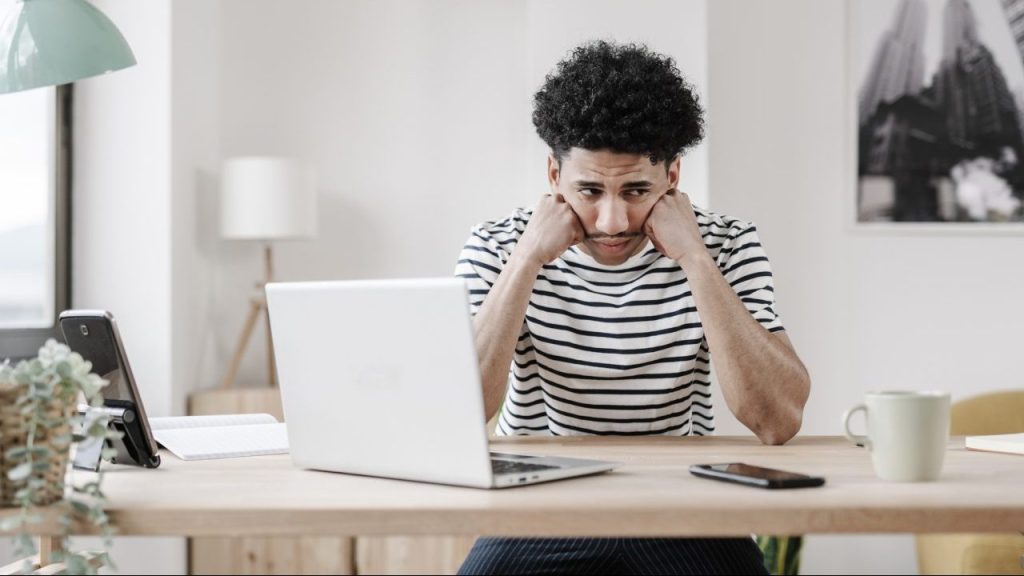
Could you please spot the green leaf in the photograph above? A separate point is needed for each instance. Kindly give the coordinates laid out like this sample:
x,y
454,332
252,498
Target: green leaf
x,y
10,524
61,441
26,544
90,486
64,369
16,453
76,564
80,507
97,430
20,472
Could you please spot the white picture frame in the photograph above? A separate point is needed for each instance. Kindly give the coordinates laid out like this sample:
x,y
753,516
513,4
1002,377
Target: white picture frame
x,y
866,24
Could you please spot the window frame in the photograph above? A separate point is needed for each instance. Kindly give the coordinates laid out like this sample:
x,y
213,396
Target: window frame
x,y
21,343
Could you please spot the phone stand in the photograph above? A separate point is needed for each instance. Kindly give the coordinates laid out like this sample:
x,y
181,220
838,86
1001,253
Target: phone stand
x,y
89,452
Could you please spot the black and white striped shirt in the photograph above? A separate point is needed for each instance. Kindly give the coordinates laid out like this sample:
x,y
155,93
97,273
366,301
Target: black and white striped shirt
x,y
615,349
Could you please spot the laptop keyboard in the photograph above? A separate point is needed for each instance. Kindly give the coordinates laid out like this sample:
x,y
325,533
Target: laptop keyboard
x,y
513,467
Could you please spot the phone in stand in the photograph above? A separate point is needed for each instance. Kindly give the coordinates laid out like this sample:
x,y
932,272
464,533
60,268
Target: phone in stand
x,y
757,476
94,335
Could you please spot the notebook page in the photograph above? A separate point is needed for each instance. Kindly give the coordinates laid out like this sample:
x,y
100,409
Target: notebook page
x,y
181,422
1006,443
224,441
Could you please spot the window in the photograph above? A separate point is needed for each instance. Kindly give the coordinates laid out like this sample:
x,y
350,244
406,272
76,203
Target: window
x,y
34,219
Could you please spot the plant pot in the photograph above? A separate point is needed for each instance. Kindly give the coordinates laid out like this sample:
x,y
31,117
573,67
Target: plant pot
x,y
14,433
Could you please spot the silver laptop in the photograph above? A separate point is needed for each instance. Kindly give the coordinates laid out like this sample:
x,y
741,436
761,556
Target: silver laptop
x,y
380,377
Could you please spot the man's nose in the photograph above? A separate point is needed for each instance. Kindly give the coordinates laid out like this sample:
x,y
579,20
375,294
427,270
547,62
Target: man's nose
x,y
612,217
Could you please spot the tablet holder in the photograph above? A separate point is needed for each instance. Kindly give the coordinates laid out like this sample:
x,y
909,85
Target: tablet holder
x,y
123,419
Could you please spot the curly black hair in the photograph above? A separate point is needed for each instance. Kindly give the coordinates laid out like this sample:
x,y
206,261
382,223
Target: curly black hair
x,y
624,98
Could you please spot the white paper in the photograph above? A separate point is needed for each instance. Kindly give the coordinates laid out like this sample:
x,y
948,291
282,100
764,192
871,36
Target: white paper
x,y
179,422
1008,443
221,436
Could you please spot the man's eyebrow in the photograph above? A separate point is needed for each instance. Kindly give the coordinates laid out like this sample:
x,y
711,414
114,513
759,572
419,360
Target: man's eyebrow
x,y
638,184
632,184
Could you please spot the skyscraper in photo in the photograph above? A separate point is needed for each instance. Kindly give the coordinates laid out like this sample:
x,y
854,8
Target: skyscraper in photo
x,y
959,28
1014,10
981,113
898,66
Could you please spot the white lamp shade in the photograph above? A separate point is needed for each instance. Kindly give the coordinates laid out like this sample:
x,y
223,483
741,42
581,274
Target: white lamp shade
x,y
266,198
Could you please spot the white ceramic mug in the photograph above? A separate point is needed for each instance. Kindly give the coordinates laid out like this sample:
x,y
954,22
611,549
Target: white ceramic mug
x,y
907,433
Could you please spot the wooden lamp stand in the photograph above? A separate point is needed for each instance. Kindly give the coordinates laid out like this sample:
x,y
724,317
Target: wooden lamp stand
x,y
257,308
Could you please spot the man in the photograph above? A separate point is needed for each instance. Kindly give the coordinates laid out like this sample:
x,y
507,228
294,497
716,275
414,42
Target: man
x,y
596,312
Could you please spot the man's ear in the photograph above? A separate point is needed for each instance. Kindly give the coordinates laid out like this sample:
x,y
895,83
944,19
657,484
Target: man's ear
x,y
553,172
673,172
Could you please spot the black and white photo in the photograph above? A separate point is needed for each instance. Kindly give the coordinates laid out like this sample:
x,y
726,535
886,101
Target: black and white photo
x,y
940,110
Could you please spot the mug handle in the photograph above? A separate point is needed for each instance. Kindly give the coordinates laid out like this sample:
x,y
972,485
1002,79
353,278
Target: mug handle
x,y
855,438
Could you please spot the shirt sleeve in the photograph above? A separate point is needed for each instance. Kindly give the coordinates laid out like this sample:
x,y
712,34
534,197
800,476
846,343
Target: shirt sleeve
x,y
745,266
481,261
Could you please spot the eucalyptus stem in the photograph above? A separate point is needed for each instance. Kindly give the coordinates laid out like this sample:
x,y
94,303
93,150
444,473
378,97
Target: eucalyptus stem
x,y
55,379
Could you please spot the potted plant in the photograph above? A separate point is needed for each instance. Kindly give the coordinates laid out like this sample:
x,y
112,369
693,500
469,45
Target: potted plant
x,y
39,401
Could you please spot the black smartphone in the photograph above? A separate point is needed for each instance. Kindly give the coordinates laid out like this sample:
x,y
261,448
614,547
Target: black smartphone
x,y
755,475
94,335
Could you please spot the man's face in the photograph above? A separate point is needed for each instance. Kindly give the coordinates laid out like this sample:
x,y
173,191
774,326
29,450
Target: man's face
x,y
612,194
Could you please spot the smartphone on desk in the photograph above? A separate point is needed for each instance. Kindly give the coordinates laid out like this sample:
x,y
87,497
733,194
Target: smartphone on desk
x,y
757,476
94,335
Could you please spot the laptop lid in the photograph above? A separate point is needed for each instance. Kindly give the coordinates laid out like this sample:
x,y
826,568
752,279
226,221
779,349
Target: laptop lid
x,y
380,377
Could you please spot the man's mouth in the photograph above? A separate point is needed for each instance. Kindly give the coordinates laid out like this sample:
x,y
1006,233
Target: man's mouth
x,y
616,246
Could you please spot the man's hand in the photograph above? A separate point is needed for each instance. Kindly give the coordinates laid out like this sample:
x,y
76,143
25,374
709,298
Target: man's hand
x,y
672,227
553,228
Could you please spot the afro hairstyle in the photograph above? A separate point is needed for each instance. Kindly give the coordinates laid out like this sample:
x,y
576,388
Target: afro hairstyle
x,y
619,97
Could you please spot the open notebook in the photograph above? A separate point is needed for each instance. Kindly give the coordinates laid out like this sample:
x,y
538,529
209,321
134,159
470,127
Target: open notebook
x,y
1006,443
220,436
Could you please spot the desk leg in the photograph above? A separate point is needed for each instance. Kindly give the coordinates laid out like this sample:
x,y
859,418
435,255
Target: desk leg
x,y
48,545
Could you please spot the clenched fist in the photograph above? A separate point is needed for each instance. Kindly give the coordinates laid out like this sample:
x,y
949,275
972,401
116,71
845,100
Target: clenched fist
x,y
552,229
672,227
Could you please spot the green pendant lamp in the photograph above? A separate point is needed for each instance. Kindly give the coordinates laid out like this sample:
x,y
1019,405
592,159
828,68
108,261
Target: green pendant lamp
x,y
53,42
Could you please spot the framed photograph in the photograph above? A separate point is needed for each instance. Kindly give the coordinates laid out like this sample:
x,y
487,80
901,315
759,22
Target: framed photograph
x,y
938,92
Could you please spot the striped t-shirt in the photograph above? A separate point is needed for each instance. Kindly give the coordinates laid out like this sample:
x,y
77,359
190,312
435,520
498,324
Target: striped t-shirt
x,y
615,349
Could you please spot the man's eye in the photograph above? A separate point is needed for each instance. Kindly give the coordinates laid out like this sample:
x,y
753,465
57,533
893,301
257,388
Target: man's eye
x,y
639,193
589,192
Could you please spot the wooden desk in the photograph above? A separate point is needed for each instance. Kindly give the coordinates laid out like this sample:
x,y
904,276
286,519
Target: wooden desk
x,y
651,494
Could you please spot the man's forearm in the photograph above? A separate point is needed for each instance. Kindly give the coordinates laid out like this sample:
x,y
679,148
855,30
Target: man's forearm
x,y
763,380
497,326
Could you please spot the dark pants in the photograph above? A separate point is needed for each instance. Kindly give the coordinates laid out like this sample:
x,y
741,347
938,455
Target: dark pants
x,y
614,556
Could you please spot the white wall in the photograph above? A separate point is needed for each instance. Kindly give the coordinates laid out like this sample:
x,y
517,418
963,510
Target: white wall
x,y
139,136
121,196
195,160
417,116
865,310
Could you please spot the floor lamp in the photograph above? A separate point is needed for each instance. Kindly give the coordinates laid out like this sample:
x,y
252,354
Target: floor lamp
x,y
264,199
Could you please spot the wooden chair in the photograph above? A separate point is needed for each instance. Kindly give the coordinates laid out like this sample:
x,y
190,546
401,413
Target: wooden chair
x,y
993,413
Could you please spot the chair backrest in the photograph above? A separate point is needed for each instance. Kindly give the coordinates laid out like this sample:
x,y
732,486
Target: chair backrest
x,y
991,413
